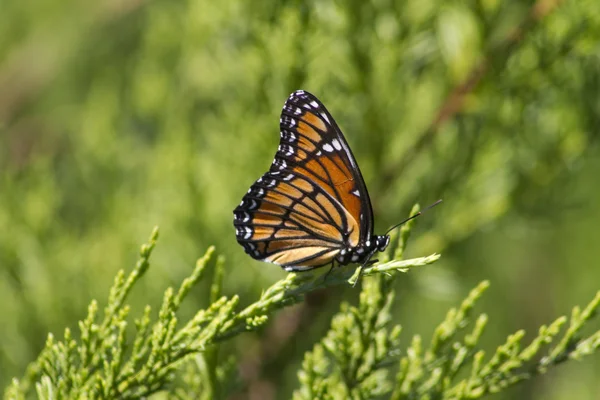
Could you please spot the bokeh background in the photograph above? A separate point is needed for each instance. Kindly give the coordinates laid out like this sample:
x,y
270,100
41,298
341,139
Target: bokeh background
x,y
119,115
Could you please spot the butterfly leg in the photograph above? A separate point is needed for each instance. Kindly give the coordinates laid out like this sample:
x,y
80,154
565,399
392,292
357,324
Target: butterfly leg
x,y
328,272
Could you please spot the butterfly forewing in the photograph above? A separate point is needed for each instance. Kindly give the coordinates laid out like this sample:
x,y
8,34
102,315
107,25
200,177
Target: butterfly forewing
x,y
304,115
313,202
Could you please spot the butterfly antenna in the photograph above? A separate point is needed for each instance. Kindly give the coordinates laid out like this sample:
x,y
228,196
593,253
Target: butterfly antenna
x,y
414,216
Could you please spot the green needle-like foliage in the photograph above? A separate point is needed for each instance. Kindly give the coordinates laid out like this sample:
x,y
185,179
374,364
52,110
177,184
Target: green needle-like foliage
x,y
357,357
354,360
360,357
119,114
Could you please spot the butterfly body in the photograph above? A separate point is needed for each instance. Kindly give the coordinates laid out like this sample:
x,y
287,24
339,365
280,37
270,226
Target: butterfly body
x,y
364,251
312,207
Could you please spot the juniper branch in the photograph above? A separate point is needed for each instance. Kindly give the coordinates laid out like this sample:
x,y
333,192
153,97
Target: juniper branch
x,y
356,359
104,363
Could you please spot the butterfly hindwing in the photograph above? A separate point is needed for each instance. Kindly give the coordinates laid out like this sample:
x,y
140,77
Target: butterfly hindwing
x,y
313,201
280,223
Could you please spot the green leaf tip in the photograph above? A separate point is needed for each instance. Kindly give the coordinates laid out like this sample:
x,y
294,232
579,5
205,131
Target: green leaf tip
x,y
194,278
394,265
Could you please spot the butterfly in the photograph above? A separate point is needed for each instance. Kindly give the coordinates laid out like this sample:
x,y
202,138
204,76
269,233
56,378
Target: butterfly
x,y
312,207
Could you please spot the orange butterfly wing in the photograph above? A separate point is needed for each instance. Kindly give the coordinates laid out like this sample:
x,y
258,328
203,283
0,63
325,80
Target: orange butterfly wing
x,y
313,201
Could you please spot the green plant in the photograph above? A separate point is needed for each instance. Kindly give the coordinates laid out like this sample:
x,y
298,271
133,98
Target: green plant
x,y
360,357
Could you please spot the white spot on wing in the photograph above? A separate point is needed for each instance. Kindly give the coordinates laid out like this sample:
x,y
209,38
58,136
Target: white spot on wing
x,y
356,193
296,268
336,144
327,147
325,117
288,136
314,104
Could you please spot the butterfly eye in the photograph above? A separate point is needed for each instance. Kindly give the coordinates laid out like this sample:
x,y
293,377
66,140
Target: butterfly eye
x,y
382,242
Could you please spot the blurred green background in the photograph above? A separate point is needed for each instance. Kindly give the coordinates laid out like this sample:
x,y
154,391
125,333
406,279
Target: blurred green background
x,y
119,115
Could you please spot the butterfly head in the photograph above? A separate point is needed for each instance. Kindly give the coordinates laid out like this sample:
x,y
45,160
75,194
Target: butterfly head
x,y
381,242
